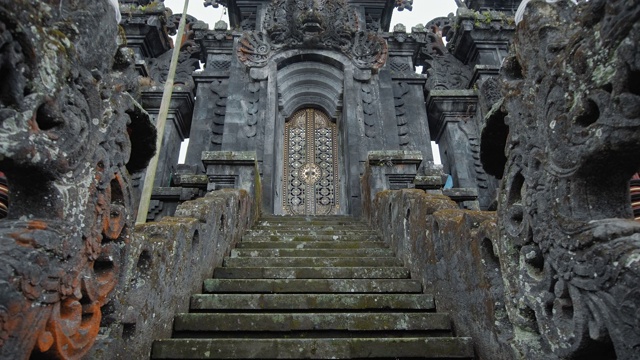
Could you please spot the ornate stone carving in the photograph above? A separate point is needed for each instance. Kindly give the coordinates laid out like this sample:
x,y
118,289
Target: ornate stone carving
x,y
404,4
368,108
188,60
317,24
253,107
254,49
399,91
568,250
70,135
445,71
218,107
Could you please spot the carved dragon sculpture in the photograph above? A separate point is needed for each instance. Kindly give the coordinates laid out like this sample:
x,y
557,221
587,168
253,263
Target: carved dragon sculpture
x,y
70,134
569,251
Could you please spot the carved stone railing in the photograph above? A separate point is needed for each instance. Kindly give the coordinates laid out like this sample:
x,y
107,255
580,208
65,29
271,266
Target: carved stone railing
x,y
387,170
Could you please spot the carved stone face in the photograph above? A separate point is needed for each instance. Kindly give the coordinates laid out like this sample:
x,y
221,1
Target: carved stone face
x,y
309,22
310,16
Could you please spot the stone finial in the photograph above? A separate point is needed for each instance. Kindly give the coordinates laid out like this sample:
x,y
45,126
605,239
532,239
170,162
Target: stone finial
x,y
220,25
399,28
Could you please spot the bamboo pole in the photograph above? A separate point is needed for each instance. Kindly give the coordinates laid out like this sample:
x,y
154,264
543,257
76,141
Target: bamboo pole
x,y
150,175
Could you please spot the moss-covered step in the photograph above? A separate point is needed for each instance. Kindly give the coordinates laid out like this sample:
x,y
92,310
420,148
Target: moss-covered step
x,y
319,348
312,262
311,286
311,226
310,231
311,245
240,253
340,321
311,237
350,302
312,273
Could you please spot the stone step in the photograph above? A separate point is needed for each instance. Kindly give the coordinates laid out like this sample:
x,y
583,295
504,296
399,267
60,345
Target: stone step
x,y
319,348
273,253
353,302
318,226
312,286
270,231
312,262
280,322
311,245
311,273
310,219
307,237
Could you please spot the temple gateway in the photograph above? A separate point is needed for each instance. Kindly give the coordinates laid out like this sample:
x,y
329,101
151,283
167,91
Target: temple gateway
x,y
308,219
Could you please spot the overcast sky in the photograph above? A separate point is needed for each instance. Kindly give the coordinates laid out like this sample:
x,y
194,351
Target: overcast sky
x,y
423,11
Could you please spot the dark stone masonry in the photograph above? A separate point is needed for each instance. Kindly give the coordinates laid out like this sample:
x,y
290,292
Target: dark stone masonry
x,y
309,190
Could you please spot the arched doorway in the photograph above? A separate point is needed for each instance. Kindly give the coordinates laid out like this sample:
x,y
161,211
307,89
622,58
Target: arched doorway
x,y
310,179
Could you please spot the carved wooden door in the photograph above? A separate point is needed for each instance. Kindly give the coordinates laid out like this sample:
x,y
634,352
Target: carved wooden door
x,y
310,182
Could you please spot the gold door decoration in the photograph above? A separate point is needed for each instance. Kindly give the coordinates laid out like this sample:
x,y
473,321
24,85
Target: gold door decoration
x,y
310,165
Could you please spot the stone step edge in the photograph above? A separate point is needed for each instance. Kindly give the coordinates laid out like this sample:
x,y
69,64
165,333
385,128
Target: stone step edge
x,y
319,272
296,302
309,321
337,348
312,286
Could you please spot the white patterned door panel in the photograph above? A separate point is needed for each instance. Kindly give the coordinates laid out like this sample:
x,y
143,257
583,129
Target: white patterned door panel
x,y
310,180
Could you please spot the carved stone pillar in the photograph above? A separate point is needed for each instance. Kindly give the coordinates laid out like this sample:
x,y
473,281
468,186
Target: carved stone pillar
x,y
391,170
451,119
211,94
231,170
180,112
145,29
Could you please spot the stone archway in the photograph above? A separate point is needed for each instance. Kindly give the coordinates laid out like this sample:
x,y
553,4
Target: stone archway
x,y
311,182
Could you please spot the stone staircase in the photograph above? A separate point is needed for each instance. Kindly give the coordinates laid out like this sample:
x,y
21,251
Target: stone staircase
x,y
312,288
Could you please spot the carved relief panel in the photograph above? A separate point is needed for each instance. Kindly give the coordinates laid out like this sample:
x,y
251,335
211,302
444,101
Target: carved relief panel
x,y
310,182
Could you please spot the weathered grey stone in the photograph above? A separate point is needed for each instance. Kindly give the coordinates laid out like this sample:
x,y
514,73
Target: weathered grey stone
x,y
312,273
231,169
239,253
566,241
311,245
311,321
311,301
167,260
452,252
311,238
70,135
442,347
304,262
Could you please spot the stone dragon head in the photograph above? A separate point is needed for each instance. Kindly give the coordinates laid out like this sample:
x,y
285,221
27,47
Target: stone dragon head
x,y
568,249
